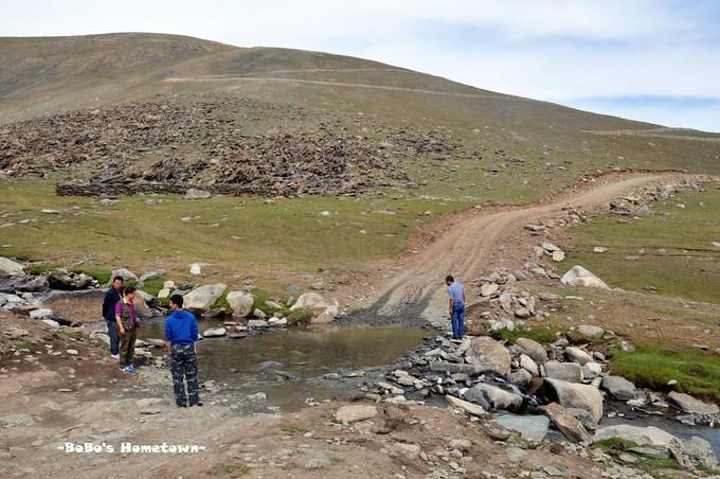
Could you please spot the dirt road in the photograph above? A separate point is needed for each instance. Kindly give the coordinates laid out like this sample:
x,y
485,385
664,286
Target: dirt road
x,y
471,244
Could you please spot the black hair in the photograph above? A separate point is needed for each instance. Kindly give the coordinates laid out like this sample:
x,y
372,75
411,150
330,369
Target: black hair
x,y
118,278
449,278
129,290
177,300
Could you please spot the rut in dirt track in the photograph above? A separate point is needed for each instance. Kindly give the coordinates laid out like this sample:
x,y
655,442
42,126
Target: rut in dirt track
x,y
417,293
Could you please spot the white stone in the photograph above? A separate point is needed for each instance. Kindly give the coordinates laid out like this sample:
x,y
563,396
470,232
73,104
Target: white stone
x,y
579,276
241,303
204,296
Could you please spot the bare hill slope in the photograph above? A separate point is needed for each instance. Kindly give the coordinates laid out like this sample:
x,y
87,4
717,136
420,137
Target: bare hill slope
x,y
88,107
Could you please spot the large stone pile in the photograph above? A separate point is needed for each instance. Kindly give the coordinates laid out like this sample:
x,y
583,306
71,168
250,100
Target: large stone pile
x,y
223,144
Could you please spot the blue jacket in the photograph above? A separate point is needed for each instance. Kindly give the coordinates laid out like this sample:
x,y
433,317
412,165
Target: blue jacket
x,y
181,327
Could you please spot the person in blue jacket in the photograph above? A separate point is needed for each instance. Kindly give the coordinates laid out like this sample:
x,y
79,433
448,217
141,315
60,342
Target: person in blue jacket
x,y
181,333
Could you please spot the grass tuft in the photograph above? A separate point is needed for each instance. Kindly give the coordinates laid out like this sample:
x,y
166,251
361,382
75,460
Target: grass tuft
x,y
697,373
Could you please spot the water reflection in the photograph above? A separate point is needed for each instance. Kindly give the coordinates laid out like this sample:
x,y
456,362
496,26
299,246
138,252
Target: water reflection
x,y
289,364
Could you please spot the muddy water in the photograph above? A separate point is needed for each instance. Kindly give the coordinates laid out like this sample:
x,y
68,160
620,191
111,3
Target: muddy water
x,y
288,365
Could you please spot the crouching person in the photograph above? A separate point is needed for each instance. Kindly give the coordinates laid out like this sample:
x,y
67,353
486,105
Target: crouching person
x,y
127,328
181,333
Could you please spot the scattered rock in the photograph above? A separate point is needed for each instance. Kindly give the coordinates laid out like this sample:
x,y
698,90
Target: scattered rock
x,y
195,194
589,331
488,289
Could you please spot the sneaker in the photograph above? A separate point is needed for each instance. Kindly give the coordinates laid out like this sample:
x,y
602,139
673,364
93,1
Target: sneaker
x,y
128,369
132,368
115,356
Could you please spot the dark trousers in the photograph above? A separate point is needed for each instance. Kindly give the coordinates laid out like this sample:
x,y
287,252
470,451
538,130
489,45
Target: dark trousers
x,y
114,337
183,365
458,320
127,346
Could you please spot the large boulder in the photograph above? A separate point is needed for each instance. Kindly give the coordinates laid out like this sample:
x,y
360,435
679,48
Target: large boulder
x,y
203,297
488,355
312,302
500,398
124,273
689,404
567,423
533,349
66,281
581,396
619,387
241,303
83,306
327,316
570,372
10,268
579,276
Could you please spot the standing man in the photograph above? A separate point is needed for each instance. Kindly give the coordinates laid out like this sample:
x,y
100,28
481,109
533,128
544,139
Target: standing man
x,y
181,332
113,295
456,295
127,327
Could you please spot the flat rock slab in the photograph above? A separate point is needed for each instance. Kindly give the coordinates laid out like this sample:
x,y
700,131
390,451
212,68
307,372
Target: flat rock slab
x,y
531,428
354,413
689,404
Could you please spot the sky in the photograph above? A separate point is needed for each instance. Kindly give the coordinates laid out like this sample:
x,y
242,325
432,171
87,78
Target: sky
x,y
650,60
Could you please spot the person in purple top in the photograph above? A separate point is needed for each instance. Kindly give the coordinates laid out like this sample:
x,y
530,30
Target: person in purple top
x,y
127,328
456,297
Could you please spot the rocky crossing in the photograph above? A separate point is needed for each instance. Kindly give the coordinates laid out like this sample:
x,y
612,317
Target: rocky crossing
x,y
533,391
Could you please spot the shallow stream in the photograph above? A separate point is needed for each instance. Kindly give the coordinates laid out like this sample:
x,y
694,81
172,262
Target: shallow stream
x,y
288,365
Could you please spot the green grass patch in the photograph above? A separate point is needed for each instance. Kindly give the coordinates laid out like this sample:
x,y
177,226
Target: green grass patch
x,y
153,286
226,232
670,252
29,345
616,446
290,429
697,373
299,316
541,334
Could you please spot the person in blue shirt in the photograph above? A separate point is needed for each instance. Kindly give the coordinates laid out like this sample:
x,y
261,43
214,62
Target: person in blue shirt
x,y
456,296
181,333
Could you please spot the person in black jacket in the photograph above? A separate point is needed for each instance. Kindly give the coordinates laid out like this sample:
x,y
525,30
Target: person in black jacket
x,y
112,297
